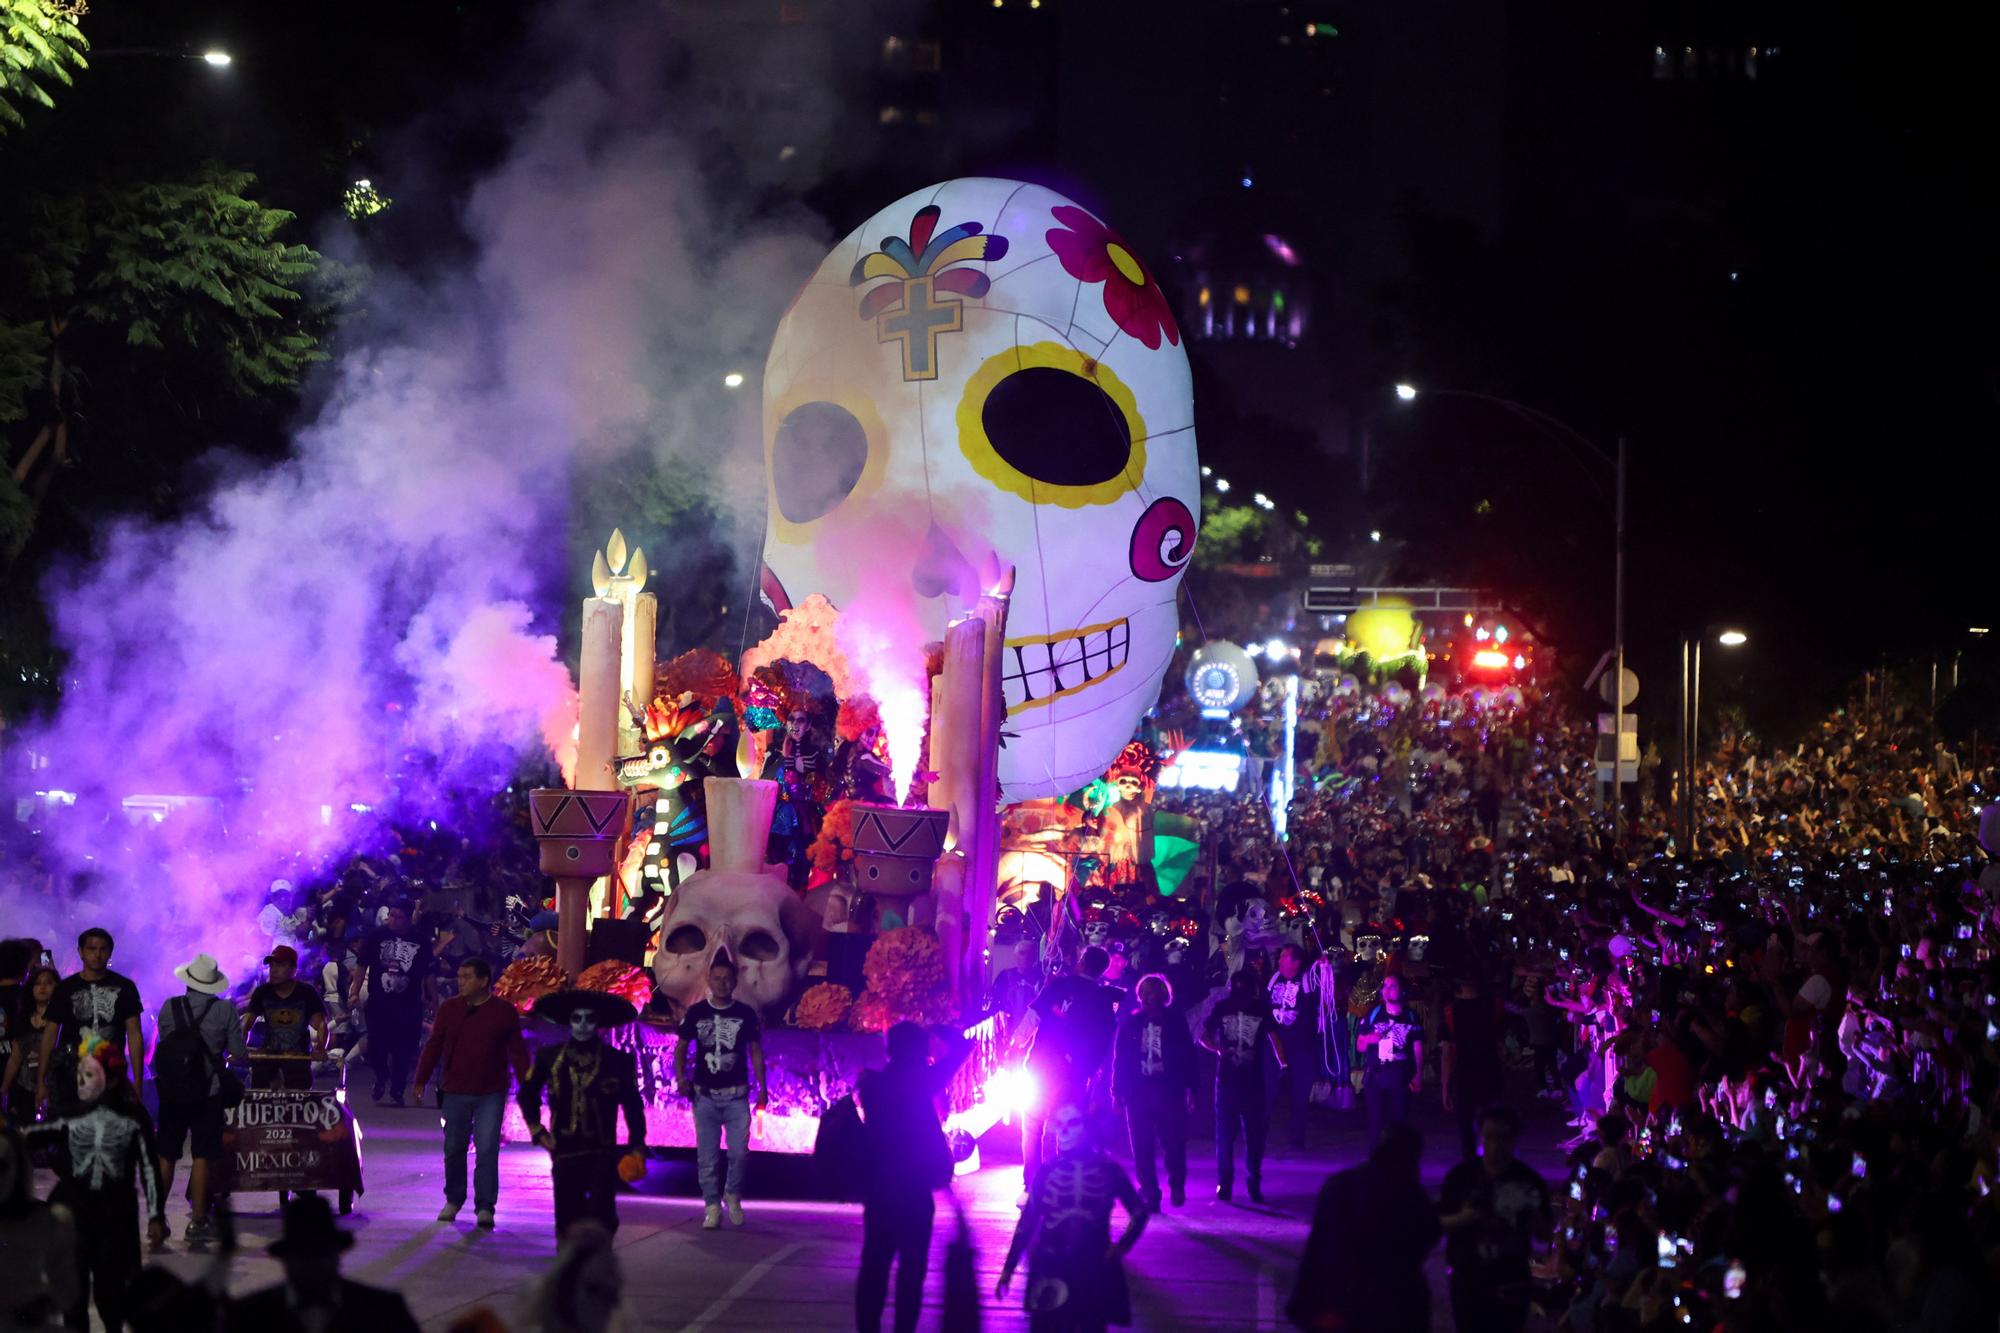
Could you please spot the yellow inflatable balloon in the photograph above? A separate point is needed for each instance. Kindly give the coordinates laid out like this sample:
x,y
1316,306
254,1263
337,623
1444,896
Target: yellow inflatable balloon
x,y
1387,629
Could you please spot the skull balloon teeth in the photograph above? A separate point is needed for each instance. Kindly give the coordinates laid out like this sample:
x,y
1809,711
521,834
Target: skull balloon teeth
x,y
1053,666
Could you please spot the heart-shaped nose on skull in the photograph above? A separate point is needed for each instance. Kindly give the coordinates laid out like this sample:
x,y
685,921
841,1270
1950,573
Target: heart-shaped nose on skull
x,y
942,568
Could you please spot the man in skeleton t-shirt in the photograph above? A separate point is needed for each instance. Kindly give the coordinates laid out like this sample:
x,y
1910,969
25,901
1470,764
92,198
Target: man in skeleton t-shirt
x,y
1295,1008
1238,1029
395,965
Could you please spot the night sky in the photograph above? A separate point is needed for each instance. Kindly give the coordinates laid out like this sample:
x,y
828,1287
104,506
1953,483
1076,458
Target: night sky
x,y
1780,289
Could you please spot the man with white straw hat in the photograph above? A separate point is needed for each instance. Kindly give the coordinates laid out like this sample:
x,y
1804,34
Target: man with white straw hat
x,y
189,1073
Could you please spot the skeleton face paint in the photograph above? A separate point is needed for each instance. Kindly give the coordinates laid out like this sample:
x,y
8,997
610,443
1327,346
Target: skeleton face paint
x,y
583,1025
1069,1128
90,1080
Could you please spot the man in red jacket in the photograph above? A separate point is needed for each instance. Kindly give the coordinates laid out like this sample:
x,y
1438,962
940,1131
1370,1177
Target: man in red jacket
x,y
475,1042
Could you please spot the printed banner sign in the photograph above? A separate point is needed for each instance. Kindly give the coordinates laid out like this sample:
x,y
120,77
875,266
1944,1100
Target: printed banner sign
x,y
279,1140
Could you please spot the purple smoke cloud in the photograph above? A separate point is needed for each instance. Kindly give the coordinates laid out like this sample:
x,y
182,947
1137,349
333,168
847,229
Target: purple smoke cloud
x,y
382,590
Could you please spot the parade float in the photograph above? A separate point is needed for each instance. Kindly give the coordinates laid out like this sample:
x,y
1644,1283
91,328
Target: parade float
x,y
979,452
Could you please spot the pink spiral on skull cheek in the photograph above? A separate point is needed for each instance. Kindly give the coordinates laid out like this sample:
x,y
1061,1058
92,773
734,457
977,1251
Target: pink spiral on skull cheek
x,y
1163,541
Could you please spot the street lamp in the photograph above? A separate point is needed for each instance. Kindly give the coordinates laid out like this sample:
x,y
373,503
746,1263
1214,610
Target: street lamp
x,y
733,380
1554,429
217,58
1691,722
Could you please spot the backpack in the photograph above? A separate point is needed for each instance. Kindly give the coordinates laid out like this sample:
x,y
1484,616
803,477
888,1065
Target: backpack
x,y
182,1062
840,1148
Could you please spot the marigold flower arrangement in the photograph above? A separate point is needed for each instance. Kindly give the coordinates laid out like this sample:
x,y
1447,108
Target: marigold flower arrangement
x,y
529,979
824,1006
619,978
834,847
907,980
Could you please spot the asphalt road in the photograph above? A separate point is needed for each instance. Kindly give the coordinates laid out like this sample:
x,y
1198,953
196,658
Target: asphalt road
x,y
1207,1266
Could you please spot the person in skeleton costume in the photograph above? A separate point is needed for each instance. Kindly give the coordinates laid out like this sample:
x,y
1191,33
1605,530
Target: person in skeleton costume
x,y
1152,1080
796,765
1076,1283
587,1082
861,760
1237,1030
1251,930
103,1144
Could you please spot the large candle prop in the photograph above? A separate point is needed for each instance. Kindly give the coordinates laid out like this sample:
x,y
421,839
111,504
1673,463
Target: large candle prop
x,y
621,580
982,870
596,753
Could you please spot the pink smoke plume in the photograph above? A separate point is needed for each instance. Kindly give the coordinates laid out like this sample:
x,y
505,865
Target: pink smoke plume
x,y
887,660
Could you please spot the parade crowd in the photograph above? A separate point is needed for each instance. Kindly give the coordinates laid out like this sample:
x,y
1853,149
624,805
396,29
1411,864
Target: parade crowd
x,y
1776,1045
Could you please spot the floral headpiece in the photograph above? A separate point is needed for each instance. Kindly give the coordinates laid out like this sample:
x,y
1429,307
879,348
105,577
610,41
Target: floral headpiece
x,y
109,1058
857,716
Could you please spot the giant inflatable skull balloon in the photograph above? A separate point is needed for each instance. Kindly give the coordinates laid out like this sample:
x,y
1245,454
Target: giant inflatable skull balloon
x,y
981,375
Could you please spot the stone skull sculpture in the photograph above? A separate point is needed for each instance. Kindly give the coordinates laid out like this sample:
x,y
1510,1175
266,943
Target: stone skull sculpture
x,y
982,375
735,909
753,919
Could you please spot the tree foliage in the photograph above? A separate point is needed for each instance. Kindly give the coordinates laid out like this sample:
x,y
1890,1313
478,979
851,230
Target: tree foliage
x,y
150,300
39,45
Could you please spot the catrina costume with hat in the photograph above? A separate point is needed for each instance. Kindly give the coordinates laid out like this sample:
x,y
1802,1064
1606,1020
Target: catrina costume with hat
x,y
587,1083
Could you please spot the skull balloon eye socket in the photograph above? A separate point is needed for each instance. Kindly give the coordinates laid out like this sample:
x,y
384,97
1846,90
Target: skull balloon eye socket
x,y
1057,427
817,459
759,947
687,939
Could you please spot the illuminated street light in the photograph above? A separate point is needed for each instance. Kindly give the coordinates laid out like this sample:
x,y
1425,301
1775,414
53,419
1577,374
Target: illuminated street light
x,y
1407,392
1375,535
1262,500
217,58
1222,484
733,380
1207,471
1276,649
1732,638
